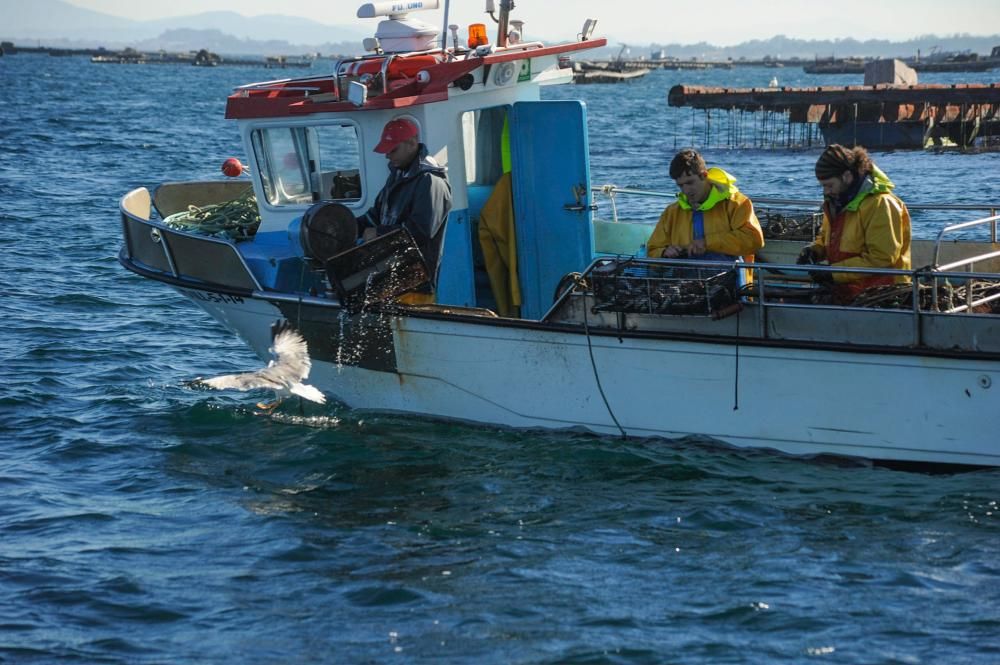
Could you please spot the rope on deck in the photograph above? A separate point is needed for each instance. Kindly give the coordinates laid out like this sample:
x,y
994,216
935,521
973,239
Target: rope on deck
x,y
233,220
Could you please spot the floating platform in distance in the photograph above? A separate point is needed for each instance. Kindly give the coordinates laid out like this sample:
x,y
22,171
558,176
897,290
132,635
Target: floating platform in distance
x,y
198,59
646,65
129,56
958,63
879,116
608,75
857,65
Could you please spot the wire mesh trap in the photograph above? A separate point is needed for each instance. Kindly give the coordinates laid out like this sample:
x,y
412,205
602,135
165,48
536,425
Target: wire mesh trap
x,y
789,224
982,295
640,287
378,271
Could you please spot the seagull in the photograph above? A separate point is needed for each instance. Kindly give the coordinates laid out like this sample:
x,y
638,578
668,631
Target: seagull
x,y
284,374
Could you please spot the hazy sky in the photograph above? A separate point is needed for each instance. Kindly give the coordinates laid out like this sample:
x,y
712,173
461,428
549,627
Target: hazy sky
x,y
722,22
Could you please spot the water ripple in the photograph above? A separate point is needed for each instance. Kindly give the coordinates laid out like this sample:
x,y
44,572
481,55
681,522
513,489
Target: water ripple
x,y
144,521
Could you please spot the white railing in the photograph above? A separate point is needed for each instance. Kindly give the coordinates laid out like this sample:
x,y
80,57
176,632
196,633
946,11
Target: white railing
x,y
795,276
611,191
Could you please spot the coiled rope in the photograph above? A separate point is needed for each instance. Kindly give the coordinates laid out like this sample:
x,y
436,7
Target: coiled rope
x,y
234,220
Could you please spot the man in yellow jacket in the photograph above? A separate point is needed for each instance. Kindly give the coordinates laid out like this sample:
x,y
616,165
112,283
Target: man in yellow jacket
x,y
864,224
710,220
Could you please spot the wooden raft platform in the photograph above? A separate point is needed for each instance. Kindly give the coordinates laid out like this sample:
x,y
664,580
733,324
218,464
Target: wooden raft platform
x,y
882,116
879,103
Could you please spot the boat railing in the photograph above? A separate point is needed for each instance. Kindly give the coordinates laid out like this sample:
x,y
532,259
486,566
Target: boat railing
x,y
246,89
966,262
342,67
933,275
611,191
189,259
384,71
777,288
991,220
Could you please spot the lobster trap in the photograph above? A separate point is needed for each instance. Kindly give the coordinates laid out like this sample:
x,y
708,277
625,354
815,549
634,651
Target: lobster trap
x,y
789,224
632,286
378,271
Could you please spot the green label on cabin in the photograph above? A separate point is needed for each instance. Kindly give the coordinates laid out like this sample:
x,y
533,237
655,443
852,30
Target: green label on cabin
x,y
525,73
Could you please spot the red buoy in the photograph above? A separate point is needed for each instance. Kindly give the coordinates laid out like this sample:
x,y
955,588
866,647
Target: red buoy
x,y
232,167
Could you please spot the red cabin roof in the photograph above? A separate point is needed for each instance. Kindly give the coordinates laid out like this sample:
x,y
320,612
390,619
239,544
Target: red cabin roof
x,y
405,88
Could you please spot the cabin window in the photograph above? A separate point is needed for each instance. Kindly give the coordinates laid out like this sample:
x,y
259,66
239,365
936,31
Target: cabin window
x,y
339,163
483,138
301,165
281,163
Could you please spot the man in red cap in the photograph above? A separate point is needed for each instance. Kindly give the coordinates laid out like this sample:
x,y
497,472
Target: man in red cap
x,y
416,196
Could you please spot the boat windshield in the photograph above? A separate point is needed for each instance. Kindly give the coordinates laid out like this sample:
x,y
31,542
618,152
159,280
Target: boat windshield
x,y
301,165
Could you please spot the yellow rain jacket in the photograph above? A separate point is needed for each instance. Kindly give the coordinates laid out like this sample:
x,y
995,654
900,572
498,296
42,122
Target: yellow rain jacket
x,y
872,231
731,227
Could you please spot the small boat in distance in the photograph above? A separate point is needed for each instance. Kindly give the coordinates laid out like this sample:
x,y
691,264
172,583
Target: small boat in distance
x,y
595,335
617,70
585,74
835,66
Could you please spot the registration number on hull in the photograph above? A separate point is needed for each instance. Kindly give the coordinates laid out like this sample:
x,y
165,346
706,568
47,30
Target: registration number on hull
x,y
209,296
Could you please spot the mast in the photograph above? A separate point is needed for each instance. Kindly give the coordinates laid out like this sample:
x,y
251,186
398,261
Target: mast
x,y
505,7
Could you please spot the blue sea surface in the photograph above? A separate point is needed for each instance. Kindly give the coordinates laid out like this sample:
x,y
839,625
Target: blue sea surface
x,y
145,522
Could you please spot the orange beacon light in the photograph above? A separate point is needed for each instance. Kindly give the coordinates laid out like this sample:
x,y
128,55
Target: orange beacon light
x,y
477,35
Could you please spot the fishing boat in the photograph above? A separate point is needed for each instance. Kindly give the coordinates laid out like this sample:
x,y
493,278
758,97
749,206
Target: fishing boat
x,y
588,334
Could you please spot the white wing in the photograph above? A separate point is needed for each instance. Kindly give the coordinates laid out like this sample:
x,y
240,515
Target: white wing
x,y
246,381
308,392
291,356
283,375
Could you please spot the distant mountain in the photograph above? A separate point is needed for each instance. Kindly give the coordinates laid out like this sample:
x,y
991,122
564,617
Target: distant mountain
x,y
57,23
291,29
216,41
782,46
61,24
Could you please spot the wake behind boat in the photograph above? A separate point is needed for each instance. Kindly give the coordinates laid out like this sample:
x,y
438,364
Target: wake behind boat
x,y
591,336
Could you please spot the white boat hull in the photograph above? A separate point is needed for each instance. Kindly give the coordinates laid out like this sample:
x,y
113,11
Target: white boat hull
x,y
801,401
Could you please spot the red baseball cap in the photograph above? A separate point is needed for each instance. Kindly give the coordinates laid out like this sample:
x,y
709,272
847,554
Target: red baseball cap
x,y
394,133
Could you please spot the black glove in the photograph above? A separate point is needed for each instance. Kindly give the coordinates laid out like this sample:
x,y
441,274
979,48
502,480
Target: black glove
x,y
821,278
807,256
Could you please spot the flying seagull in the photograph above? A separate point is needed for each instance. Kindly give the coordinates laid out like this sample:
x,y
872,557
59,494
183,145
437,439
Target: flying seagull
x,y
284,374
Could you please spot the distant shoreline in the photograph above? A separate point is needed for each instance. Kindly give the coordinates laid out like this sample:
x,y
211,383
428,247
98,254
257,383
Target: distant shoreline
x,y
780,47
200,57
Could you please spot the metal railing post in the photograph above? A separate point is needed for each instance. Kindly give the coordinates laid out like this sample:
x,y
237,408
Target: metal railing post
x,y
760,299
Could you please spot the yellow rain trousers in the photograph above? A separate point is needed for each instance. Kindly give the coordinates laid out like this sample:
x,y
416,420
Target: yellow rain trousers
x,y
499,244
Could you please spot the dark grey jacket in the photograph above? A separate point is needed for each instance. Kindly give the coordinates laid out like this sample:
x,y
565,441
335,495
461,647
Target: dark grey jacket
x,y
419,199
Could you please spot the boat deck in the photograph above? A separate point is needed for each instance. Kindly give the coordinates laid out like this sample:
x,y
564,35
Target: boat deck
x,y
948,306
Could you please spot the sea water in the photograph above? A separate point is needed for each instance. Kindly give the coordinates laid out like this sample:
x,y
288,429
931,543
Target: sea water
x,y
145,522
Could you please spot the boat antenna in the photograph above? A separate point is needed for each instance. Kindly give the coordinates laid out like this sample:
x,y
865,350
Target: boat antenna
x,y
444,30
